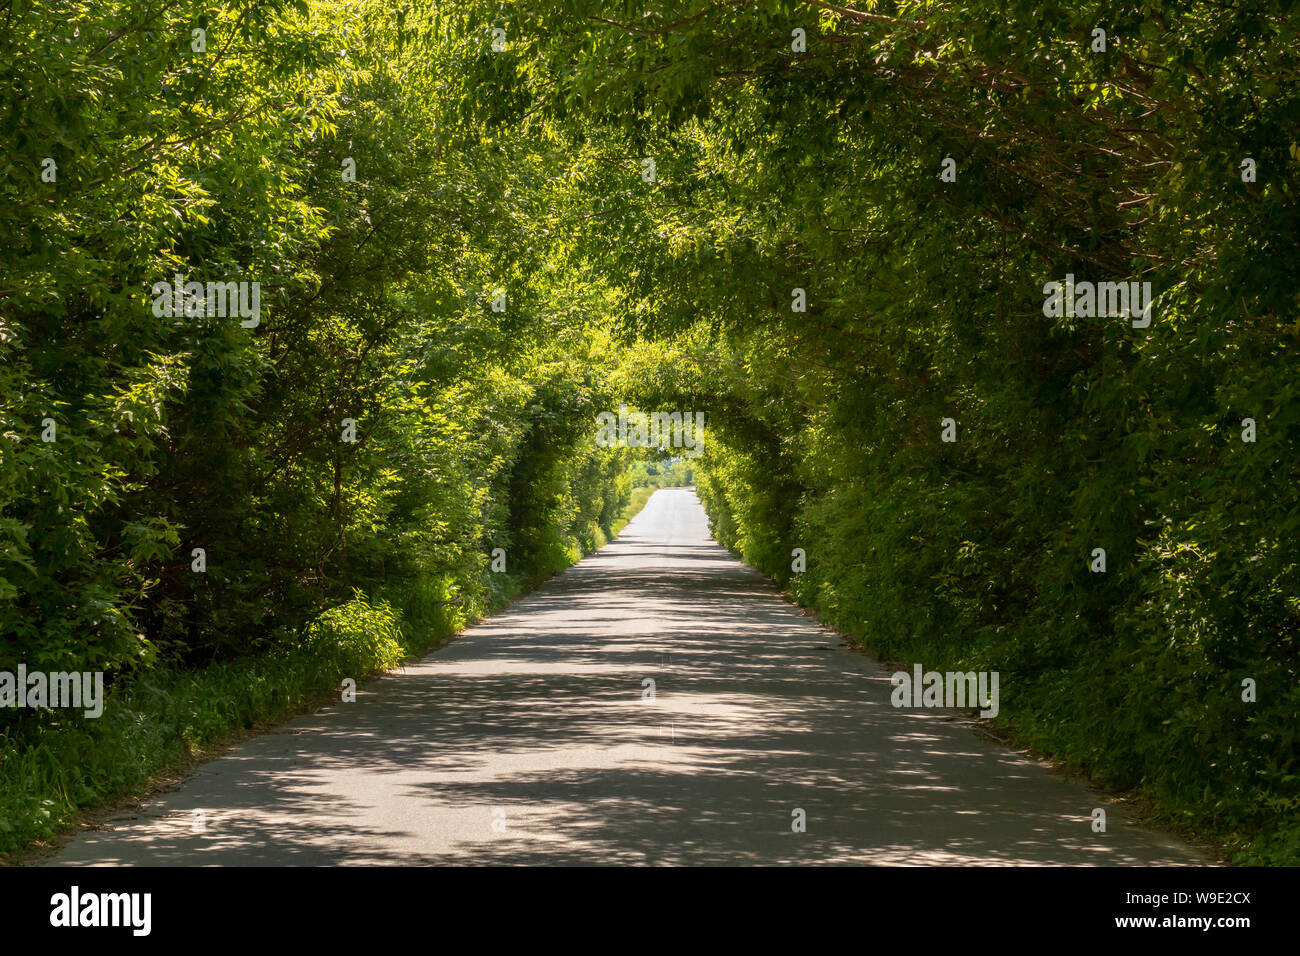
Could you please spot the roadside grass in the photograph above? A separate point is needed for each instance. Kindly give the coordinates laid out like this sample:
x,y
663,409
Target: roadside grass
x,y
56,765
635,504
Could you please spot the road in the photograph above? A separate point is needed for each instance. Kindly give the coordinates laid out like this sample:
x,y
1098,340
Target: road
x,y
532,739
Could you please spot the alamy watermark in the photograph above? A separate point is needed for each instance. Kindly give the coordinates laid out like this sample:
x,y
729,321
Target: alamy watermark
x,y
75,909
953,689
1069,299
57,689
221,299
652,430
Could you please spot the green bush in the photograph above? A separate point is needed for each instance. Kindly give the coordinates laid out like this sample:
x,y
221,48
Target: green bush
x,y
357,636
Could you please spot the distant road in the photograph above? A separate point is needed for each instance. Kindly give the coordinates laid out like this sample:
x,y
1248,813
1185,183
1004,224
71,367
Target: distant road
x,y
531,740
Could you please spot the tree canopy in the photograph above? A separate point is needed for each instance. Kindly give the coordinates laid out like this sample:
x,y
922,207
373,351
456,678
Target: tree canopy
x,y
475,226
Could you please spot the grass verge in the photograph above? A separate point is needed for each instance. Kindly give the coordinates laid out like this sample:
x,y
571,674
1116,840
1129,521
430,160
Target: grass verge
x,y
56,766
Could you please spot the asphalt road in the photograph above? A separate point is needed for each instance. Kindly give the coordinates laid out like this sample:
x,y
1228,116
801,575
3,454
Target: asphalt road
x,y
531,739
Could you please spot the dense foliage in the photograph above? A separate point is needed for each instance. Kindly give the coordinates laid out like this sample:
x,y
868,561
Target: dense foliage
x,y
414,394
821,169
665,473
650,183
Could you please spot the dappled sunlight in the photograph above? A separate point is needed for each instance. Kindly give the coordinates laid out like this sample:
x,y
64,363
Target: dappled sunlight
x,y
533,738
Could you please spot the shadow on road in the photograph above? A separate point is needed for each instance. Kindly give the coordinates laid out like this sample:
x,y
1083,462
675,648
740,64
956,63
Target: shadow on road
x,y
531,740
